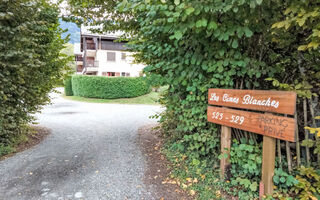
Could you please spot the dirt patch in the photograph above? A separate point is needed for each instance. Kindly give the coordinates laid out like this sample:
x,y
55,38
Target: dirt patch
x,y
157,165
34,137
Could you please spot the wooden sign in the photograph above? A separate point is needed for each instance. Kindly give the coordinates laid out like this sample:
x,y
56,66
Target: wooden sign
x,y
266,124
263,100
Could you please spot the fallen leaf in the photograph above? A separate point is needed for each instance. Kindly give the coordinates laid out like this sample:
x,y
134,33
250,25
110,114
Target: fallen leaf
x,y
192,192
218,193
189,180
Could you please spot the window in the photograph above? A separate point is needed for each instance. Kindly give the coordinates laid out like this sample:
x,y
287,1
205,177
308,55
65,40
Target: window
x,y
123,56
127,74
111,56
123,74
104,74
111,74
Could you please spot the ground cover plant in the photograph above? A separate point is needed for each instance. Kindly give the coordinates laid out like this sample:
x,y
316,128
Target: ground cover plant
x,y
30,64
256,44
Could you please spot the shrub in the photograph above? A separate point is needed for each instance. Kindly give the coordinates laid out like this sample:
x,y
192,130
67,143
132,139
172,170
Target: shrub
x,y
109,88
30,62
68,87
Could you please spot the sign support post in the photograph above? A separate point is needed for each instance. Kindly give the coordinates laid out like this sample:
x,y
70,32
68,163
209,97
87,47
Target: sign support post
x,y
268,162
225,149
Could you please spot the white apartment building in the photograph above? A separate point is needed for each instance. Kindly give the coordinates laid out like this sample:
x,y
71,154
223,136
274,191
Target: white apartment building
x,y
102,55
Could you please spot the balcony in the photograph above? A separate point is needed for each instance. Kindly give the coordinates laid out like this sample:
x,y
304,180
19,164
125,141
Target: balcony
x,y
91,46
92,66
79,58
80,68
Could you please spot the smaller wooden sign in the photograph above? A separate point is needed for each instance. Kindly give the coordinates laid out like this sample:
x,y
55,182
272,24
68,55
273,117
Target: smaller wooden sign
x,y
263,100
266,124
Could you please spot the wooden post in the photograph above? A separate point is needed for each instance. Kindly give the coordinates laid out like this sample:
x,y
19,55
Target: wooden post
x,y
268,162
225,149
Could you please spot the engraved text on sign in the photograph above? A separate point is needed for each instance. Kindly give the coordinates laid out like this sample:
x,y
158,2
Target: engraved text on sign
x,y
269,101
265,124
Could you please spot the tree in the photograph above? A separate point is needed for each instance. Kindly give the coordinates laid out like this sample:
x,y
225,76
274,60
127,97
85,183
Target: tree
x,y
30,62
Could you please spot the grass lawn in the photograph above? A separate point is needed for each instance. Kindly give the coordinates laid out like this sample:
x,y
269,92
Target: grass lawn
x,y
150,98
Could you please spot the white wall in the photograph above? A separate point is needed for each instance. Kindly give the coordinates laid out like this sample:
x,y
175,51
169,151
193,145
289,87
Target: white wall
x,y
119,65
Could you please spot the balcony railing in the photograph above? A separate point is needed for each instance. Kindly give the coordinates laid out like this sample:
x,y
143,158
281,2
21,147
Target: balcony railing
x,y
91,46
91,63
79,58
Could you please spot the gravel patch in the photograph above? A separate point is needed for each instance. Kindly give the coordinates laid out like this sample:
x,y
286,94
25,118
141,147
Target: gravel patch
x,y
91,153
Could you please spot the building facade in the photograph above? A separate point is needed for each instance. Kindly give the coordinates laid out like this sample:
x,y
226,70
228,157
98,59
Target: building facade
x,y
102,55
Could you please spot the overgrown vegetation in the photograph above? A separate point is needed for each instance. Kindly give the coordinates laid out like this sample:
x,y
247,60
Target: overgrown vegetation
x,y
242,44
30,64
109,88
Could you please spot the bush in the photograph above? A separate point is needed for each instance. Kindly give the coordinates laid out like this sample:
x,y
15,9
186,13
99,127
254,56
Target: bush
x,y
109,88
68,87
30,63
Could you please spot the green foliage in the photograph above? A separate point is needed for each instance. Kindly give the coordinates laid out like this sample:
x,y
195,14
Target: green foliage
x,y
309,183
202,145
316,142
303,16
193,173
246,160
5,150
152,98
68,87
109,88
30,62
215,44
283,180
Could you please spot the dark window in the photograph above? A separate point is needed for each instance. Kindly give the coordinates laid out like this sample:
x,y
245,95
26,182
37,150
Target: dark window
x,y
123,56
111,74
111,56
123,74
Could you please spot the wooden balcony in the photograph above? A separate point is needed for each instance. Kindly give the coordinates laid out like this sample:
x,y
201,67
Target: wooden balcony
x,y
79,58
91,46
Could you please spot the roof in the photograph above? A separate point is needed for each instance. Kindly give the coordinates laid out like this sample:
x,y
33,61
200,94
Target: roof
x,y
85,30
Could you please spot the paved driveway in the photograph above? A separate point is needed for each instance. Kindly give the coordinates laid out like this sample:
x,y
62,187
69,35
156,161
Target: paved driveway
x,y
91,153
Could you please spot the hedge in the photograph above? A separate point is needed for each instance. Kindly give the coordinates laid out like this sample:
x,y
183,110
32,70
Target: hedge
x,y
68,87
109,87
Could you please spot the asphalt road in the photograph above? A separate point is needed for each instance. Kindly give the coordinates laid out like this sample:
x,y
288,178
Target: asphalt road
x,y
91,153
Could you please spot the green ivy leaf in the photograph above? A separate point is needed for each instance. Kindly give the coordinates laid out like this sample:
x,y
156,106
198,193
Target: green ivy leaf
x,y
189,10
178,35
248,32
235,44
212,25
254,186
259,2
